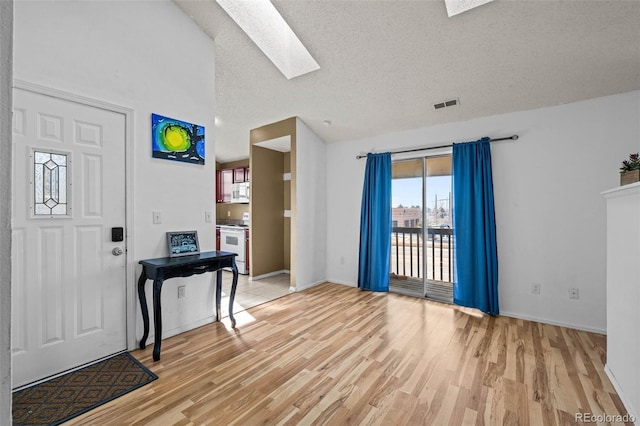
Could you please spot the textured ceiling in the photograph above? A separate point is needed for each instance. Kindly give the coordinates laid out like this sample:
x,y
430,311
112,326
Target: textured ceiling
x,y
385,63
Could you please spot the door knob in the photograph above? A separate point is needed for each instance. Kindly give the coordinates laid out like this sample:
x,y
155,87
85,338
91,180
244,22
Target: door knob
x,y
117,251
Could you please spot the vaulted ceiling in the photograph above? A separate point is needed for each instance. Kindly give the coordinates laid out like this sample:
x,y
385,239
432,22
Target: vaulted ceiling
x,y
385,63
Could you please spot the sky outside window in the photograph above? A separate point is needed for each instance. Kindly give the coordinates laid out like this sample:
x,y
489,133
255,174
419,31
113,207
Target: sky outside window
x,y
408,191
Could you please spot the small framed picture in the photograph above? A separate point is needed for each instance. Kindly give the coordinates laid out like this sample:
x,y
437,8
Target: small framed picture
x,y
183,243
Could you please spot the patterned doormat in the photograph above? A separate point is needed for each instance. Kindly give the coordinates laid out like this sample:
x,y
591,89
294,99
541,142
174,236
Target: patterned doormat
x,y
65,397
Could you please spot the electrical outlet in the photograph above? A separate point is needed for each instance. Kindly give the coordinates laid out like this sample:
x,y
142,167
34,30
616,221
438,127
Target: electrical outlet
x,y
535,288
181,291
228,213
208,216
157,217
574,293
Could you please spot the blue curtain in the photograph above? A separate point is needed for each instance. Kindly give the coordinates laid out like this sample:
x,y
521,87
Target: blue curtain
x,y
375,224
474,227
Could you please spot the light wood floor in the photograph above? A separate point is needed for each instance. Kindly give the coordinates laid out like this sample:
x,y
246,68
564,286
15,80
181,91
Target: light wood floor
x,y
336,355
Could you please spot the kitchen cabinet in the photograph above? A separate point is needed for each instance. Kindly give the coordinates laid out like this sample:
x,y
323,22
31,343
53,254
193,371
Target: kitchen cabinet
x,y
218,186
225,179
241,175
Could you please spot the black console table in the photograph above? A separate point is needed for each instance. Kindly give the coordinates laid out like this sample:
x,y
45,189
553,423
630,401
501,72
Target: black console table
x,y
163,268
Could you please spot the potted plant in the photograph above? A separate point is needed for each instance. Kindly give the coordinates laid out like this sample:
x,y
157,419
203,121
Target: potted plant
x,y
630,170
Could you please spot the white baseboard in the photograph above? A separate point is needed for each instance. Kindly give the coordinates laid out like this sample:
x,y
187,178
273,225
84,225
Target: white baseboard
x,y
175,331
348,284
551,322
297,288
621,394
270,274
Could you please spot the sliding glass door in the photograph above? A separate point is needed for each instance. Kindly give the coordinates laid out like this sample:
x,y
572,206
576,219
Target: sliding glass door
x,y
422,235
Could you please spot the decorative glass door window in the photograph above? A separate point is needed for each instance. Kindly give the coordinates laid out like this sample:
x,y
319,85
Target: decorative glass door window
x,y
49,183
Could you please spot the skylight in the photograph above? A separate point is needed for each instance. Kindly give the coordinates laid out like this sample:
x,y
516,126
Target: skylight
x,y
270,32
455,7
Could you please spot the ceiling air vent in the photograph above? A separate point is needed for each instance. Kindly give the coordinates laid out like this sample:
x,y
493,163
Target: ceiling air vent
x,y
447,103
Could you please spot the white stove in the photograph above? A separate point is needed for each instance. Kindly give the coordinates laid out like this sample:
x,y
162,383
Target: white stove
x,y
234,239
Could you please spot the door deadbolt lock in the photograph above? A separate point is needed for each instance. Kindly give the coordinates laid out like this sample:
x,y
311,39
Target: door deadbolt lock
x,y
117,251
117,234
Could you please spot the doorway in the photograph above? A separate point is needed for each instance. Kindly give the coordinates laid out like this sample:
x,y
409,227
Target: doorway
x,y
422,243
69,283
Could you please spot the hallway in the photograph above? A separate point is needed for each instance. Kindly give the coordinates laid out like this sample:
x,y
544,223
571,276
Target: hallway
x,y
252,293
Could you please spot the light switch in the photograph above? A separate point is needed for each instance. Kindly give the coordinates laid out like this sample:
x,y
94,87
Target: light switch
x,y
157,217
207,216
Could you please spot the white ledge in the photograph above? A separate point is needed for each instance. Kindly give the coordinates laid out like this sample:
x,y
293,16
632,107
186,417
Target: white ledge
x,y
622,191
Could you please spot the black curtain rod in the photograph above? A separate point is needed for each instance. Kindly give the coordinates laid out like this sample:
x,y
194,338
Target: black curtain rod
x,y
513,138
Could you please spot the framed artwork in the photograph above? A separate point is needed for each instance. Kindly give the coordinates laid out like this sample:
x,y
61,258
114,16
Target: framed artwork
x,y
177,140
182,243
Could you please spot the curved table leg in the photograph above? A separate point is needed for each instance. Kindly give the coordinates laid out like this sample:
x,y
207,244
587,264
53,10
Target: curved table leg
x,y
157,318
218,294
234,284
143,307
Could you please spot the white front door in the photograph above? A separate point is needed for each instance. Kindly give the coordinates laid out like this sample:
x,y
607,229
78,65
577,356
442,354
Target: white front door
x,y
68,288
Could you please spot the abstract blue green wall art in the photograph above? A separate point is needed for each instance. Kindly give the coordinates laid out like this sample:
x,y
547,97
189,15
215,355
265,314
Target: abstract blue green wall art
x,y
177,140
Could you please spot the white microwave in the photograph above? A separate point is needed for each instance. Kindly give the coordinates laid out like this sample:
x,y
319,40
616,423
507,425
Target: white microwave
x,y
240,192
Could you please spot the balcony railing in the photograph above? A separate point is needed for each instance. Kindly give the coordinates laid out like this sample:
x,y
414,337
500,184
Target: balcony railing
x,y
407,253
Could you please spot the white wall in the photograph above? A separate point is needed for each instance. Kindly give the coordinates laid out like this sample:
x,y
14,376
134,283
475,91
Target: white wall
x,y
549,212
152,58
311,205
6,69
